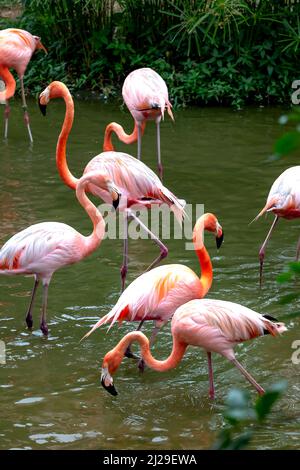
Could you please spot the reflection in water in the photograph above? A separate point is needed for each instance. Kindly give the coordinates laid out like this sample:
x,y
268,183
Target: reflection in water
x,y
50,388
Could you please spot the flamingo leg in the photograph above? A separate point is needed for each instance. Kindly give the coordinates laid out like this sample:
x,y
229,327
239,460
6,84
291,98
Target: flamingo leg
x,y
298,250
124,267
249,377
139,142
159,164
24,106
163,249
6,116
263,249
211,377
29,320
43,323
128,353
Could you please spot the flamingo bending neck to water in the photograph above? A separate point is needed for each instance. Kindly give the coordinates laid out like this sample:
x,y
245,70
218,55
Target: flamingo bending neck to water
x,y
16,49
284,201
214,325
155,295
43,248
146,96
140,187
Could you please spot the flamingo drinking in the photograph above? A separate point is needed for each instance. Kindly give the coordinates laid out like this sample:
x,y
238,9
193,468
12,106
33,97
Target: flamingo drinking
x,y
155,295
214,325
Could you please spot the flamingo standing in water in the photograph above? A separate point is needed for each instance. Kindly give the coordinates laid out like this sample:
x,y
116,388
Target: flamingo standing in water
x,y
283,201
41,249
16,49
155,295
214,325
140,187
146,96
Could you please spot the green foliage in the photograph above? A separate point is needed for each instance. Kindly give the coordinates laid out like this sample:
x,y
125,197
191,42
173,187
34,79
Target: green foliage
x,y
290,275
228,52
292,36
244,418
289,141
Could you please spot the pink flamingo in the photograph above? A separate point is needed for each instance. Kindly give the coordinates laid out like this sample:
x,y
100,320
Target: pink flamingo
x,y
155,295
41,249
283,201
16,49
214,325
146,96
140,187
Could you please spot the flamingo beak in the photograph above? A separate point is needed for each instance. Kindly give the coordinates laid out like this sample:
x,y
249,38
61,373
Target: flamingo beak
x,y
107,382
43,108
219,240
116,201
43,47
115,195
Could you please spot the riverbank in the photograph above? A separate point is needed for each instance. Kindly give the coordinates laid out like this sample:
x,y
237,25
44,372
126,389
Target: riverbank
x,y
232,55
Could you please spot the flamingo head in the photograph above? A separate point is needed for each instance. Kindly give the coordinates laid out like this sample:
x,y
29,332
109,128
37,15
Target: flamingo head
x,y
110,364
56,89
103,182
44,100
115,194
210,223
39,45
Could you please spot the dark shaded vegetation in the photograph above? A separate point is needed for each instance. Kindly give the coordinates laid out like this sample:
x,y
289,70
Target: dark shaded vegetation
x,y
229,52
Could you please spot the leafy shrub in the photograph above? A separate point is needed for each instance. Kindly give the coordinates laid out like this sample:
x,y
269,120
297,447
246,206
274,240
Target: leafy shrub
x,y
228,52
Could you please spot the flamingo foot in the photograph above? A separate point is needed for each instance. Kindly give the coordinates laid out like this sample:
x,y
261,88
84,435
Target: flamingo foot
x,y
29,321
141,365
44,328
123,271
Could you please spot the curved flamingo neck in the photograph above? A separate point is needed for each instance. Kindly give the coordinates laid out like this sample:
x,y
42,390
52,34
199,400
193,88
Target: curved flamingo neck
x,y
10,84
121,134
206,277
61,158
175,357
93,240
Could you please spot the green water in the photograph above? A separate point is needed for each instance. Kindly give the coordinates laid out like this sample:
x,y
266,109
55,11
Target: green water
x,y
51,397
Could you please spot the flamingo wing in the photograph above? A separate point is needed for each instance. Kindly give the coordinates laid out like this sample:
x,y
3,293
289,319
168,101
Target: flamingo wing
x,y
145,89
137,182
42,247
154,295
218,325
16,48
284,195
285,191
